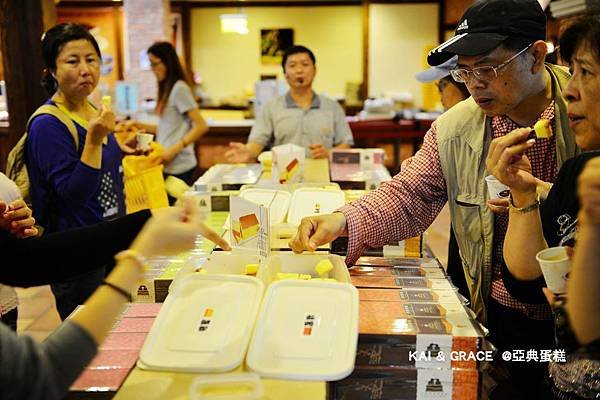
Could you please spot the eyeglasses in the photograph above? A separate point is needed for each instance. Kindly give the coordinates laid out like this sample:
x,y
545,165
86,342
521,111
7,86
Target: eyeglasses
x,y
486,73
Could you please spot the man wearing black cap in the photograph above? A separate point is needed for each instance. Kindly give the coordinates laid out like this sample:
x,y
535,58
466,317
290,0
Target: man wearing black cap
x,y
501,49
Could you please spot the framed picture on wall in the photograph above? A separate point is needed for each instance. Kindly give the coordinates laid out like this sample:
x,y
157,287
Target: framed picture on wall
x,y
273,43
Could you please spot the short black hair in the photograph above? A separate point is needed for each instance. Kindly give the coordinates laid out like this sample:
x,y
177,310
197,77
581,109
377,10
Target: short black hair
x,y
53,41
585,29
295,50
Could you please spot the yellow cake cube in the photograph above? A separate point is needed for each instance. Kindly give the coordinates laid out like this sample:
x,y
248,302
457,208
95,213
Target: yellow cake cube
x,y
106,102
287,275
542,129
251,269
323,267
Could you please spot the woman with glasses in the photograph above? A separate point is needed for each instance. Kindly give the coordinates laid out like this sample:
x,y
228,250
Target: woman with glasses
x,y
181,124
534,226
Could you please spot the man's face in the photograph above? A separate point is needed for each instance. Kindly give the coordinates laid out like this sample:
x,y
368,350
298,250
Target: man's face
x,y
299,70
502,94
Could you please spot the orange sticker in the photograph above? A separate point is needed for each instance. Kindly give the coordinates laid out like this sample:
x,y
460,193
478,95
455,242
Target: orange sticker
x,y
208,312
307,331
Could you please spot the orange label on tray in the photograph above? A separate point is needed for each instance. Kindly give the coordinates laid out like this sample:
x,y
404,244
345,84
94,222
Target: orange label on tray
x,y
309,322
206,319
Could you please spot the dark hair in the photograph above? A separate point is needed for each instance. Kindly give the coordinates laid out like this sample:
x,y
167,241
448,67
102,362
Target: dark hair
x,y
459,85
53,42
168,56
295,50
585,29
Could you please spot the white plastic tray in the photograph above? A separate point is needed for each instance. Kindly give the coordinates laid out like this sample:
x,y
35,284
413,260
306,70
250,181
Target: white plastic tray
x,y
204,325
313,201
302,264
306,331
218,262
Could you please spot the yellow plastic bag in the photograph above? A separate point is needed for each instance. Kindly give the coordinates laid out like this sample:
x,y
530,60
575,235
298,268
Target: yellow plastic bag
x,y
144,182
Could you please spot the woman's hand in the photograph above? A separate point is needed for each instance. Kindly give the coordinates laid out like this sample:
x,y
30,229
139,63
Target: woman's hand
x,y
506,160
101,126
170,153
17,218
173,230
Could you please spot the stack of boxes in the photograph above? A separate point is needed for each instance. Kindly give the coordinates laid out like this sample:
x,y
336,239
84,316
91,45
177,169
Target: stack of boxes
x,y
117,355
417,340
358,169
161,271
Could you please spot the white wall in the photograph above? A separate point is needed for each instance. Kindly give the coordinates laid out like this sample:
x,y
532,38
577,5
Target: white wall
x,y
399,36
230,63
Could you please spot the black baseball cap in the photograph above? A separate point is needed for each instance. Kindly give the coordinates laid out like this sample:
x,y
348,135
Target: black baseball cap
x,y
488,23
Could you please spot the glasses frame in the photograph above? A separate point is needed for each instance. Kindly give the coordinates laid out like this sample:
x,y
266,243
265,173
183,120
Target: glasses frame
x,y
457,73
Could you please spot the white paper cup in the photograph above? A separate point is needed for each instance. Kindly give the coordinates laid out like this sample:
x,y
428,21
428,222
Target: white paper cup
x,y
497,189
555,265
143,141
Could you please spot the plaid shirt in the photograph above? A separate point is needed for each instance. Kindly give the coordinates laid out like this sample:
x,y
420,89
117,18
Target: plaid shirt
x,y
408,204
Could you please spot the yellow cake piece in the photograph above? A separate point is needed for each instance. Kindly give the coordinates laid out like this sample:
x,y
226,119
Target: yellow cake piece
x,y
251,269
287,275
542,129
323,267
106,102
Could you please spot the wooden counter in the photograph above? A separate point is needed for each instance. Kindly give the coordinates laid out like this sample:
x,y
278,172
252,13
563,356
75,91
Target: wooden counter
x,y
211,147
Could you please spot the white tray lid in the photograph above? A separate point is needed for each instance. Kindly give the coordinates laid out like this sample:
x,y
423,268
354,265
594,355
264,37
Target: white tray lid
x,y
204,325
307,201
280,347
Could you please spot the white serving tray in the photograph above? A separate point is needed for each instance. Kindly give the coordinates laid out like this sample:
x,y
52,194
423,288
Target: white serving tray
x,y
204,325
306,330
309,201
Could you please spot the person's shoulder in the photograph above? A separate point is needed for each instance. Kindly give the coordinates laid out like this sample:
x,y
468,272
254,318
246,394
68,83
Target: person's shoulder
x,y
181,85
579,161
463,114
327,103
324,99
276,102
44,122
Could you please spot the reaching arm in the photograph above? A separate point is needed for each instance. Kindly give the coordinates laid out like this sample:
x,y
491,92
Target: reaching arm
x,y
46,370
243,153
399,209
55,257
